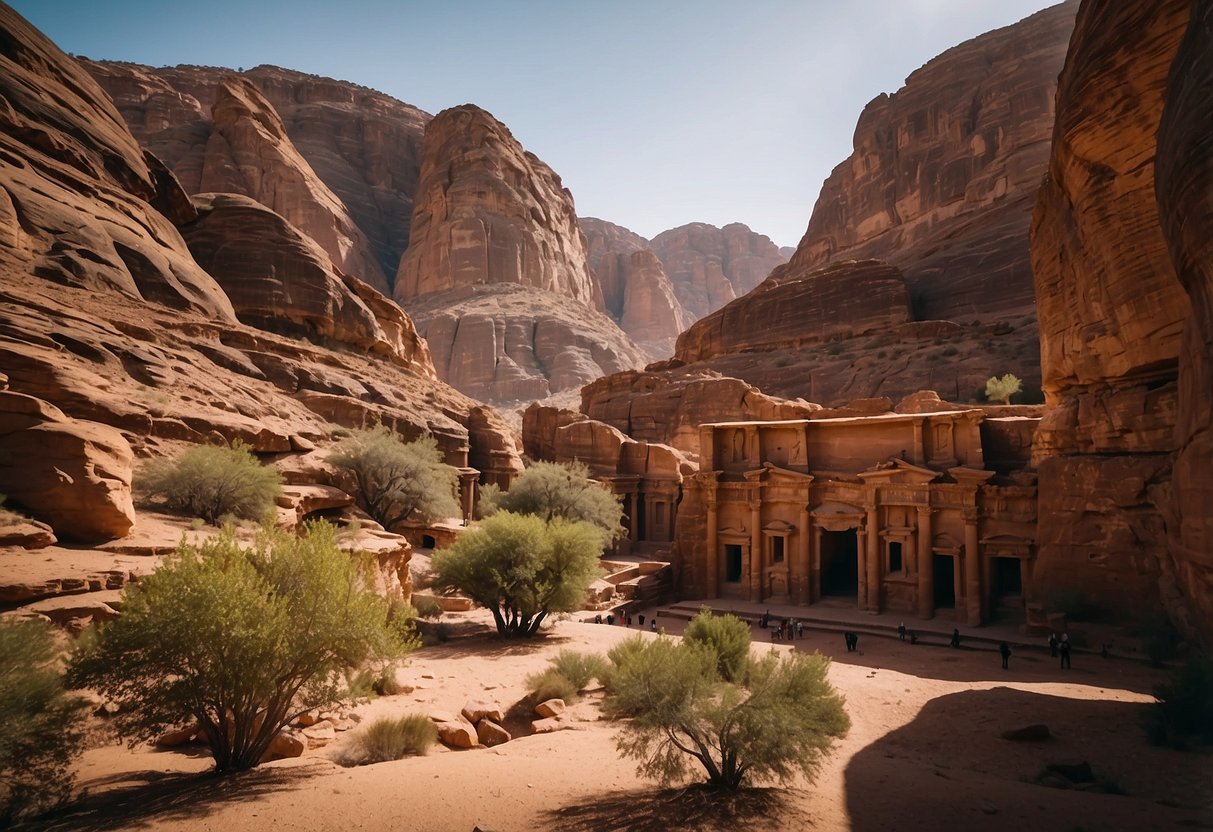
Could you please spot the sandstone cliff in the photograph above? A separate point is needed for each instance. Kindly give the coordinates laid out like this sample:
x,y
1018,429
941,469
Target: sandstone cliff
x,y
711,266
496,274
487,211
945,172
345,159
635,289
106,317
1113,315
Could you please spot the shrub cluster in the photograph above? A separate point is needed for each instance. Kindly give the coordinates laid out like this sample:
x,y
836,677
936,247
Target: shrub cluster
x,y
212,482
390,738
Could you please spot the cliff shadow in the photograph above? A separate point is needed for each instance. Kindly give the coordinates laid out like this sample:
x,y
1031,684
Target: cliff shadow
x,y
951,768
695,807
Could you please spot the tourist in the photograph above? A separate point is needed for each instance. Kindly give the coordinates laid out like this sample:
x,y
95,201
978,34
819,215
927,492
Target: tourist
x,y
598,618
629,619
1064,649
846,637
610,618
955,642
1004,650
799,629
641,619
901,631
1053,645
913,637
653,625
854,642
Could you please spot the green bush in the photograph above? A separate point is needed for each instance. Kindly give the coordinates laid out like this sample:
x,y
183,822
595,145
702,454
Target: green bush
x,y
781,722
550,683
620,655
1183,713
427,607
390,738
394,481
727,636
212,482
562,491
40,726
579,668
242,640
522,568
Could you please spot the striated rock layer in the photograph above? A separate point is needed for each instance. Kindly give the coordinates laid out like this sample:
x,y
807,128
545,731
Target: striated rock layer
x,y
1124,517
486,211
363,147
945,172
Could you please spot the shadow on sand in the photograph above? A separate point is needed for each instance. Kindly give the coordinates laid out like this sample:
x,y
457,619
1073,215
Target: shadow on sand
x,y
948,770
155,796
695,807
488,644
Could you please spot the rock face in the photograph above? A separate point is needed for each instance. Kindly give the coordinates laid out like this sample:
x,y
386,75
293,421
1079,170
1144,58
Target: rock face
x,y
64,153
75,476
279,279
945,172
711,266
105,314
486,211
635,289
1127,516
363,145
496,275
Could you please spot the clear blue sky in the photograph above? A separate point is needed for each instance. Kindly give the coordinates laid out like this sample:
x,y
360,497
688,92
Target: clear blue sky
x,y
655,113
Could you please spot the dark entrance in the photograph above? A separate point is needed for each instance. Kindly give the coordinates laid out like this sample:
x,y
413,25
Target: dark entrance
x,y
945,581
839,563
732,563
1008,589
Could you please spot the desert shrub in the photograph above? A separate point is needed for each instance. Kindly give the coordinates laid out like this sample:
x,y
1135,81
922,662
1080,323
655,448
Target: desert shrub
x,y
565,491
427,607
579,668
727,636
394,481
1183,713
390,738
212,482
40,727
522,568
1001,389
242,640
618,656
783,720
550,683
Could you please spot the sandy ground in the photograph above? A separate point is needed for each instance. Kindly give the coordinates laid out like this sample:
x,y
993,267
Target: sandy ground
x,y
924,753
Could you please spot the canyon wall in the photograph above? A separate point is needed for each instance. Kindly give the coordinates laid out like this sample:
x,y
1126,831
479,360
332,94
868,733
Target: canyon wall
x,y
1113,315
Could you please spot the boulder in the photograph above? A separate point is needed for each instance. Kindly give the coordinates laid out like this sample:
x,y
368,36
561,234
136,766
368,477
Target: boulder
x,y
71,474
546,726
550,708
458,734
490,733
179,736
16,530
474,711
286,743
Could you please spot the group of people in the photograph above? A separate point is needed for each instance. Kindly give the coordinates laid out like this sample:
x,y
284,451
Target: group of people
x,y
1060,647
788,628
626,620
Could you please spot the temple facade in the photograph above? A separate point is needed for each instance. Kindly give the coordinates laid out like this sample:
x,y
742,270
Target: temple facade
x,y
899,512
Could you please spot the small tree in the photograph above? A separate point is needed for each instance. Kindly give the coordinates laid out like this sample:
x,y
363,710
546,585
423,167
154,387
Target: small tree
x,y
727,636
40,727
781,721
211,482
522,568
242,641
395,480
554,490
1002,389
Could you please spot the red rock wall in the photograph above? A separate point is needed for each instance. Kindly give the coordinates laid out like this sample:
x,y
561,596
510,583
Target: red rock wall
x,y
945,171
1112,313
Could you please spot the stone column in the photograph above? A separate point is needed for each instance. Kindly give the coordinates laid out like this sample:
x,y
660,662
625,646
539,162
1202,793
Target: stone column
x,y
925,565
468,478
815,560
861,555
874,559
711,583
633,515
972,571
756,558
803,558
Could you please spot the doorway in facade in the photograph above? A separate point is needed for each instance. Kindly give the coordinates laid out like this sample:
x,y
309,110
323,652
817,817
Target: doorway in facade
x,y
945,581
839,563
1008,589
732,563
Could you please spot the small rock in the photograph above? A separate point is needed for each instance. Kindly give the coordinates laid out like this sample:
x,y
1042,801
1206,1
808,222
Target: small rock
x,y
458,734
546,726
490,733
288,743
173,739
473,712
550,707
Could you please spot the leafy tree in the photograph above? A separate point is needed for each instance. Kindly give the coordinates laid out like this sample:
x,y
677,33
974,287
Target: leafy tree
x,y
727,636
40,729
559,490
781,721
1002,389
522,568
241,640
212,482
395,480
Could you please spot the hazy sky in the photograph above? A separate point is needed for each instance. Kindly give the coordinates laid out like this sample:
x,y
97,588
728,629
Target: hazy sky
x,y
654,113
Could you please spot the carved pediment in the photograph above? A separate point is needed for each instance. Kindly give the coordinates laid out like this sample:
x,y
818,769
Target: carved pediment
x,y
779,527
901,472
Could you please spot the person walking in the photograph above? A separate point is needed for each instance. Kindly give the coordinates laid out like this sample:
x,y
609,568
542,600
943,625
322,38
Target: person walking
x,y
901,631
1004,650
1064,650
955,642
1053,645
